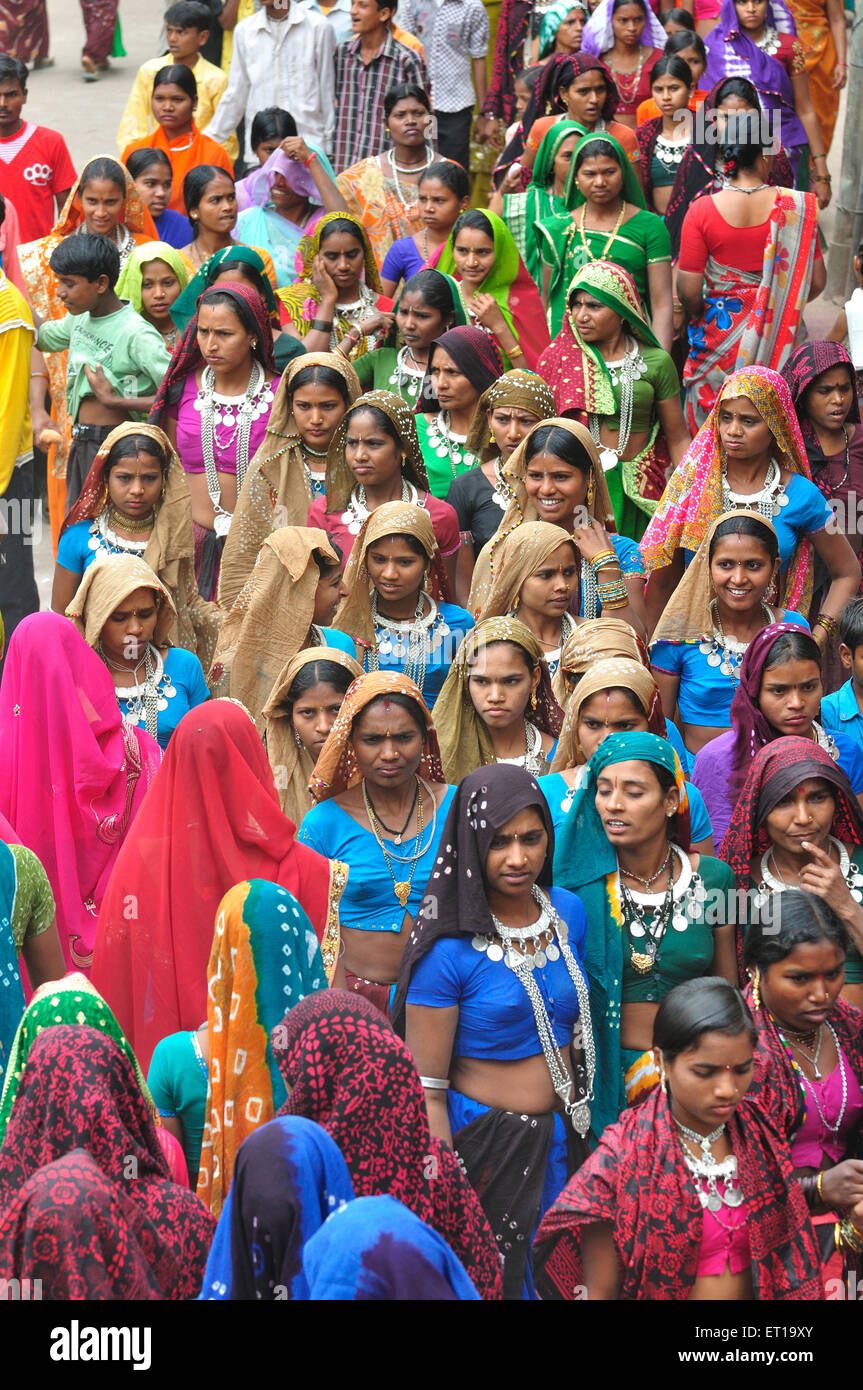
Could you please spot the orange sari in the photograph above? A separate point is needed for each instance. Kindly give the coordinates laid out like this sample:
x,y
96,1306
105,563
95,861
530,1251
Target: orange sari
x,y
813,31
184,153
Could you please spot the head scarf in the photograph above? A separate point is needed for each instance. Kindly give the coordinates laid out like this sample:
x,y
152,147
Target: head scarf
x,y
345,1068
693,496
296,296
106,583
376,1249
560,69
732,53
271,617
80,1091
336,768
804,365
514,557
476,355
598,34
78,744
185,306
265,958
390,519
512,289
687,616
543,166
515,390
213,804
551,22
464,737
254,190
132,274
522,508
595,640
574,369
288,1178
750,727
289,759
631,192
339,482
609,674
775,771
70,1001
187,358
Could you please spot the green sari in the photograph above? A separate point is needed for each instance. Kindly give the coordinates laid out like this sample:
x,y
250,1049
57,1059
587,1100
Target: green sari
x,y
523,212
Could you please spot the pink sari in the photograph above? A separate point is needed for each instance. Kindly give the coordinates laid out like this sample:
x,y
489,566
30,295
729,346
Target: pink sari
x,y
72,773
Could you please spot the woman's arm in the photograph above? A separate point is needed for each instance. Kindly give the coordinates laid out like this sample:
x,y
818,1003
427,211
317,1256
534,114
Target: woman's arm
x,y
295,147
844,569
489,314
43,956
724,953
464,573
662,309
668,686
172,1124
600,1262
39,380
660,586
836,20
430,1034
820,182
819,279
65,587
673,426
592,541
690,292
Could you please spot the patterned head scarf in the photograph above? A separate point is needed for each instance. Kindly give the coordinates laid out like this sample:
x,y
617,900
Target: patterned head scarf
x,y
295,296
106,583
610,674
464,737
129,284
476,355
518,556
390,519
515,390
732,53
184,308
687,617
693,496
336,768
598,36
775,771
136,216
340,481
551,22
595,640
803,366
750,726
632,192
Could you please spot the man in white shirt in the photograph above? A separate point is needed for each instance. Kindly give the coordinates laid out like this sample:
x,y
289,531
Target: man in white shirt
x,y
283,56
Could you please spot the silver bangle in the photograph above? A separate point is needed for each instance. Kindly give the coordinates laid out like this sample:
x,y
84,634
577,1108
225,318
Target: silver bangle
x,y
434,1083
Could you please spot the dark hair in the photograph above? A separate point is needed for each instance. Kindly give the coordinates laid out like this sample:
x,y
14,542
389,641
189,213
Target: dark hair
x,y
858,254
324,563
738,87
382,420
387,5
229,301
435,290
528,76
250,273
851,624
319,375
678,16
13,70
189,14
475,221
597,147
342,224
141,160
507,642
2,209
87,255
404,702
452,175
130,446
196,183
413,544
317,673
103,168
553,439
642,5
746,526
669,65
804,918
675,44
743,151
403,92
705,1005
272,123
793,646
177,75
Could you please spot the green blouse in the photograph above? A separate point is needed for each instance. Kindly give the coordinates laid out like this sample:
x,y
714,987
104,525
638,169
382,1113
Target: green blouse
x,y
444,460
643,240
659,383
381,371
33,910
682,955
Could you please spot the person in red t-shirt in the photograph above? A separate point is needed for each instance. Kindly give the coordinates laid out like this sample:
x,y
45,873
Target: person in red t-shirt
x,y
35,165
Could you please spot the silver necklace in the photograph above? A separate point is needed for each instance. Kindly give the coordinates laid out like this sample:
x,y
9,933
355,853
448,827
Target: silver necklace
x,y
358,510
408,169
315,479
412,639
769,42
670,152
447,445
623,374
145,699
549,937
681,903
219,410
533,760
837,1127
567,627
407,380
704,1167
768,502
500,494
726,652
771,880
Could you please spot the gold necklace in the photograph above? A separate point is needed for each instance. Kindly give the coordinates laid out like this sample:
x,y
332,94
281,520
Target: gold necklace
x,y
120,522
401,887
617,226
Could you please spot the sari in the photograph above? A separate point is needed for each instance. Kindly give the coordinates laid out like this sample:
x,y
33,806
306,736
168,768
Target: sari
x,y
345,1068
79,1091
265,958
465,741
512,557
289,758
598,35
185,306
376,200
129,285
522,212
637,1182
301,300
693,496
752,318
546,107
271,618
258,224
599,640
816,38
61,728
170,551
732,53
515,390
193,149
609,673
213,805
276,490
585,389
108,581
512,289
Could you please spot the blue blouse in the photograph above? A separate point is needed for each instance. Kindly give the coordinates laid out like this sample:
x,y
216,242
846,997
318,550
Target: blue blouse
x,y
173,228
392,656
559,797
81,543
334,638
807,511
496,1019
629,558
182,686
368,902
402,260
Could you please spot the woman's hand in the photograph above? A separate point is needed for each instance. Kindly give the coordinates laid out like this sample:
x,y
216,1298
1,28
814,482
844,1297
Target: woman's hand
x,y
511,181
379,322
592,540
324,282
842,1186
824,877
487,311
840,75
295,147
102,388
821,189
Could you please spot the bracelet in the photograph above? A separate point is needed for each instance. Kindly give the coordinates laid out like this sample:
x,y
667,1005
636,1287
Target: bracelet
x,y
830,625
44,374
850,1236
807,1187
515,352
818,1191
603,559
311,159
434,1083
613,595
323,325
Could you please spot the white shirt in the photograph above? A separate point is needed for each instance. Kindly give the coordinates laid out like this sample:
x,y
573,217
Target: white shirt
x,y
281,62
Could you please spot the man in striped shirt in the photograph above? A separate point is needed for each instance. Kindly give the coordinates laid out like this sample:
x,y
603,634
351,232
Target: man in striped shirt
x,y
367,66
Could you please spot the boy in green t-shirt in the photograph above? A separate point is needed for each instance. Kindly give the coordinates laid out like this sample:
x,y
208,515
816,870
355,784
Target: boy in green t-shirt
x,y
116,358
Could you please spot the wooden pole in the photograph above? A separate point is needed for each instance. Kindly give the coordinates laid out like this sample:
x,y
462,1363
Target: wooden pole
x,y
848,225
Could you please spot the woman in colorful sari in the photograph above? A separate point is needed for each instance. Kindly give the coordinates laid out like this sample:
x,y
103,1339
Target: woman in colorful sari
x,y
607,370
444,194
646,1218
798,824
501,297
750,453
284,201
152,968
287,603
522,210
629,39
344,1068
99,765
577,88
260,930
152,279
657,913
429,305
497,705
173,101
105,201
561,30
750,260
822,33
494,1048
462,364
664,138
338,295
80,1091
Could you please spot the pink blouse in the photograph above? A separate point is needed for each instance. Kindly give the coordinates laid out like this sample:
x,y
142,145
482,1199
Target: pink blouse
x,y
813,1141
724,1241
189,445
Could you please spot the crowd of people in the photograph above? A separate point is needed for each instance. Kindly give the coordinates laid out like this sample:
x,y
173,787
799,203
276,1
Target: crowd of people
x,y
456,545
